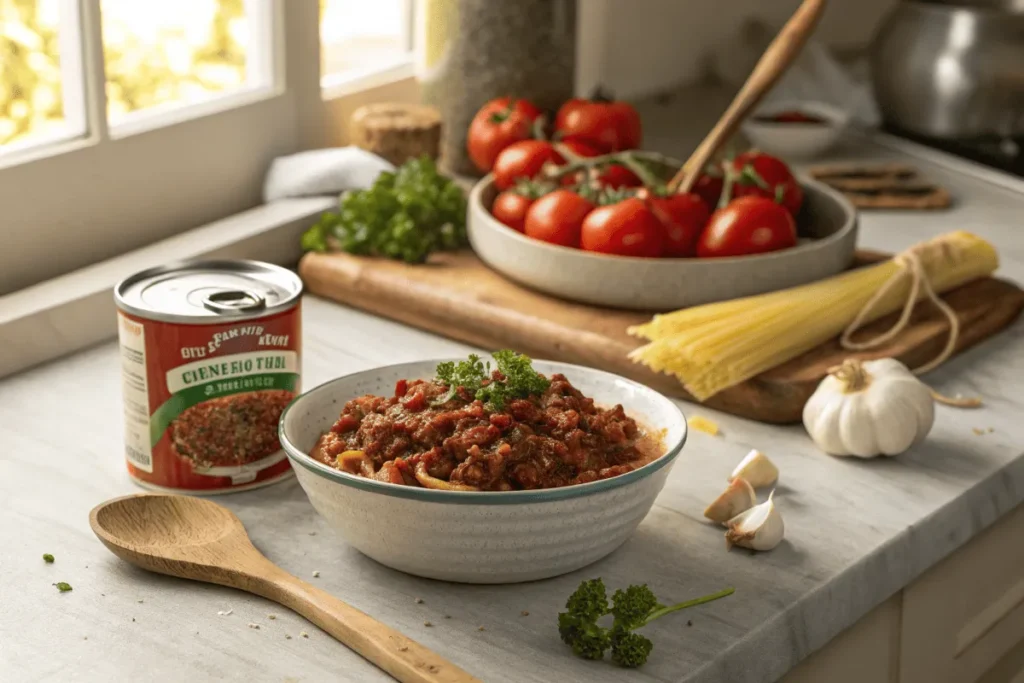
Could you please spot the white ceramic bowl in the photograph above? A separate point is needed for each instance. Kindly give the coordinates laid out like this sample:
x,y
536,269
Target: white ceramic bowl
x,y
660,284
480,537
796,140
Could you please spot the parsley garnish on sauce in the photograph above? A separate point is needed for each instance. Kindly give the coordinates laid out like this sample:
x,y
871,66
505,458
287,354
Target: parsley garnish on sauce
x,y
519,378
47,558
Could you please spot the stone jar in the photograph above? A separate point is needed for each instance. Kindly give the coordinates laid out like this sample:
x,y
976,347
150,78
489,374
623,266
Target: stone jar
x,y
470,51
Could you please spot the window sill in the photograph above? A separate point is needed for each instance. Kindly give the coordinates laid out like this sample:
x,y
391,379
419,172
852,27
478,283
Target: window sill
x,y
75,311
341,85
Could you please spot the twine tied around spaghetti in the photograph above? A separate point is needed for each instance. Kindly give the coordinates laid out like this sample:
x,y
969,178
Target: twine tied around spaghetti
x,y
910,266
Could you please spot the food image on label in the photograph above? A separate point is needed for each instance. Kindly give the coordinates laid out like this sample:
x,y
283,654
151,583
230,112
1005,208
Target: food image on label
x,y
230,430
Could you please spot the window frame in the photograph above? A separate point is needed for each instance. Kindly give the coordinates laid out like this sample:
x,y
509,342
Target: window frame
x,y
76,202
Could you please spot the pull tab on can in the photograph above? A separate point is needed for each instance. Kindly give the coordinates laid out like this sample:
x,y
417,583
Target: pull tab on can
x,y
234,301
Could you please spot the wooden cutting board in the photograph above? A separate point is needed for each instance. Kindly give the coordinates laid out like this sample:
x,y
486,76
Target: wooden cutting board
x,y
457,296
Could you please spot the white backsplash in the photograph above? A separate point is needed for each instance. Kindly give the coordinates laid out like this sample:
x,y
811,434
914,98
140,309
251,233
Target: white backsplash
x,y
637,47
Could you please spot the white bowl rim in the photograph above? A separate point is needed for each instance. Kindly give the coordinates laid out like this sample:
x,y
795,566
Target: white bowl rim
x,y
476,200
297,457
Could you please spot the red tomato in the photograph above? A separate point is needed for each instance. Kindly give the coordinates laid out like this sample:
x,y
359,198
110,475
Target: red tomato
x,y
613,175
627,228
608,126
523,159
616,176
510,208
749,225
557,218
709,188
497,125
768,174
683,217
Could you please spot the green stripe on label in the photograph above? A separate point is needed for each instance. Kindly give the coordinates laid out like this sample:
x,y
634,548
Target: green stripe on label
x,y
185,399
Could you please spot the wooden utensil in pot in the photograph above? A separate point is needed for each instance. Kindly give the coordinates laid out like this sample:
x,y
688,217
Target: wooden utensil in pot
x,y
773,63
193,538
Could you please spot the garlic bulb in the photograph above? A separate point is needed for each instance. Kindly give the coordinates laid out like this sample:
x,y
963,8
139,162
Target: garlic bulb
x,y
757,469
869,408
759,528
739,496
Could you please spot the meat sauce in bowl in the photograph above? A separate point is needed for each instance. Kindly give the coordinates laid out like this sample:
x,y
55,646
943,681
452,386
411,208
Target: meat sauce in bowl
x,y
545,440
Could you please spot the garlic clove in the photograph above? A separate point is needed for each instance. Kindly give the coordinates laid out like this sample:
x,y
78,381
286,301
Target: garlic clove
x,y
738,497
759,528
757,469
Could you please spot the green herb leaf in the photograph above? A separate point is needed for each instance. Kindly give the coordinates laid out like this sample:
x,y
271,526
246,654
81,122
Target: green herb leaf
x,y
405,215
48,558
518,379
63,586
469,374
631,608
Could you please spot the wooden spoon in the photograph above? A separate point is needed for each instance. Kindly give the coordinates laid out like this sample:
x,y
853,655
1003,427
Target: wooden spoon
x,y
197,539
773,63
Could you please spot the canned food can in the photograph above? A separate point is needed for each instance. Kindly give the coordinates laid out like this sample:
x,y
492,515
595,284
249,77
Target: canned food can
x,y
210,357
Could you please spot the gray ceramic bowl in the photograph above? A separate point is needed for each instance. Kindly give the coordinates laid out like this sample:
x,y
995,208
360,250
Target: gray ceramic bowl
x,y
827,219
480,537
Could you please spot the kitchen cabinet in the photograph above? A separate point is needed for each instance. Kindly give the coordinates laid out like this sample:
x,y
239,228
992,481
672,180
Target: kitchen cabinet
x,y
961,622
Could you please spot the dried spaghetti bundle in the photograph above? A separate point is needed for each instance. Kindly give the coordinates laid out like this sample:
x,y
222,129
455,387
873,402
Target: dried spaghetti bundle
x,y
716,346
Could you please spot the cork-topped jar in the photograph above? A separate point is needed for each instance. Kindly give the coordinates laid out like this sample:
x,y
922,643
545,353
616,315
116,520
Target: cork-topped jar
x,y
471,51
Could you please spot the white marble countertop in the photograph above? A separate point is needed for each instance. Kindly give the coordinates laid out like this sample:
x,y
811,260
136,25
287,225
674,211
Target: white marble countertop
x,y
857,532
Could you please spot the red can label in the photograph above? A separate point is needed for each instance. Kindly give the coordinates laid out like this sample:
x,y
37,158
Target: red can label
x,y
202,402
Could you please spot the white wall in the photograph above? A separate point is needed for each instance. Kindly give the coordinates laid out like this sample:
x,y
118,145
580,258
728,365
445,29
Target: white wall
x,y
636,47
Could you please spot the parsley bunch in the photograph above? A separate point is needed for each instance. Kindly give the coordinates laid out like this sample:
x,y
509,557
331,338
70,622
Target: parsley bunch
x,y
630,609
406,215
520,379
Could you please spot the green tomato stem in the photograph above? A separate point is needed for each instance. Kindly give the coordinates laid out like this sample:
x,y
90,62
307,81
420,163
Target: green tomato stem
x,y
627,159
689,603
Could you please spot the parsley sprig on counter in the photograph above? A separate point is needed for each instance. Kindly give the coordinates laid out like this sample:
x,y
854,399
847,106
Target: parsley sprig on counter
x,y
406,215
631,609
520,379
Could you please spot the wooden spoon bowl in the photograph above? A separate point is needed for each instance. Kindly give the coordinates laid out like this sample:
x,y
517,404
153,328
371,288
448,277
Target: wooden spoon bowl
x,y
198,539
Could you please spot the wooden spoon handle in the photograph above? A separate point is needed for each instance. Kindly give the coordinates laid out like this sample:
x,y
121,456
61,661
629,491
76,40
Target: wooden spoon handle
x,y
773,63
402,657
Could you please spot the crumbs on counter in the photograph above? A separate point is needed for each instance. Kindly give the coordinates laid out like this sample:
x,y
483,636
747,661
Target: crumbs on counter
x,y
316,574
524,613
224,613
255,627
271,616
47,558
419,601
427,623
703,424
63,586
287,636
303,634
979,432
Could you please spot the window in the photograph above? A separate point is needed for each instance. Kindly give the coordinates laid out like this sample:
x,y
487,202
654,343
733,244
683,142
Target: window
x,y
356,41
164,55
39,101
123,122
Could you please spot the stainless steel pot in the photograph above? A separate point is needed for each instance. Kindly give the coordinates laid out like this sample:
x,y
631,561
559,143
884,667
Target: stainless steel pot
x,y
952,70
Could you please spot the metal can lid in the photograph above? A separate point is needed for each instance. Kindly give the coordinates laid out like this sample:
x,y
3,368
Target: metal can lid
x,y
208,292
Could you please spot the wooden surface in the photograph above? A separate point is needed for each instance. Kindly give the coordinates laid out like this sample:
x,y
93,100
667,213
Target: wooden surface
x,y
459,297
193,538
